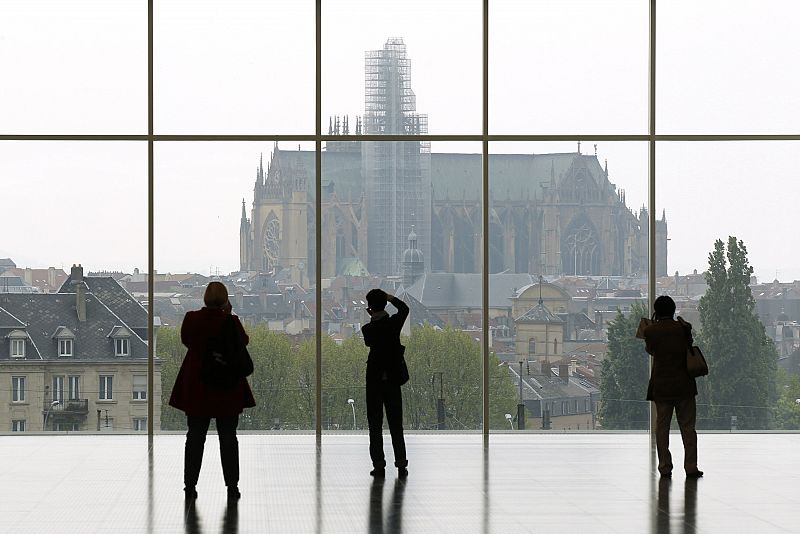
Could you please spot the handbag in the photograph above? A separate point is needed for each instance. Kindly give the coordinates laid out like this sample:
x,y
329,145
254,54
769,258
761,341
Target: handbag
x,y
400,372
226,359
696,362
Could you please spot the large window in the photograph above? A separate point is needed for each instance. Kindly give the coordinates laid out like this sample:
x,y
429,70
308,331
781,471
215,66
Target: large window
x,y
527,191
106,388
17,389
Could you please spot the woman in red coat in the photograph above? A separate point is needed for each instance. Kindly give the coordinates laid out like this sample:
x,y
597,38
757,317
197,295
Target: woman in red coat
x,y
202,402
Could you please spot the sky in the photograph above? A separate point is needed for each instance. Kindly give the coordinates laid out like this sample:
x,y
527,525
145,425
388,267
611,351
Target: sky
x,y
557,67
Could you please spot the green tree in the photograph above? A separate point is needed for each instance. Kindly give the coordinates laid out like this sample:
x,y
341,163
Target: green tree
x,y
741,358
787,411
171,352
625,374
457,357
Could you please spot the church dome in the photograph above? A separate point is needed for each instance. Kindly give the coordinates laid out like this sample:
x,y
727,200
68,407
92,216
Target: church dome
x,y
412,255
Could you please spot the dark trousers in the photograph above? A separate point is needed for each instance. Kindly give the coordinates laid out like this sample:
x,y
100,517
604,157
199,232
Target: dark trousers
x,y
195,443
686,412
379,395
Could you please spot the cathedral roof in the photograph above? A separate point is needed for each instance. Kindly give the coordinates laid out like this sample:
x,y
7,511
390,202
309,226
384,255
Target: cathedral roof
x,y
454,176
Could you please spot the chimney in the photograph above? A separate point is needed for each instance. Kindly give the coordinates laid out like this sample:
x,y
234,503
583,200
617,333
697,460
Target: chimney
x,y
28,276
51,277
80,292
238,298
573,367
546,368
76,273
563,372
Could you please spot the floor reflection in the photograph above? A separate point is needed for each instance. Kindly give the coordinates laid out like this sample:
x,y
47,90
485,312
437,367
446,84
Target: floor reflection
x,y
230,521
662,519
191,519
690,505
394,518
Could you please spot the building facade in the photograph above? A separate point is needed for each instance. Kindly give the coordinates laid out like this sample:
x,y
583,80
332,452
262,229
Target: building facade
x,y
75,360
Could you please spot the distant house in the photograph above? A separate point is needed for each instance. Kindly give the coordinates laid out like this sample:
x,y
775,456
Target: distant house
x,y
75,360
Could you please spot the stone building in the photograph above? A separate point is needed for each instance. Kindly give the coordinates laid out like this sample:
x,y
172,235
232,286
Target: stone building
x,y
75,360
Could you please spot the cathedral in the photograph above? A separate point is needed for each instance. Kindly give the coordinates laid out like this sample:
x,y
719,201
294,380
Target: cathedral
x,y
384,202
550,214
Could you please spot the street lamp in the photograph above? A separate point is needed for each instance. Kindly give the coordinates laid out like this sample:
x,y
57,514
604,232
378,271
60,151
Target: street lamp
x,y
510,421
47,413
352,404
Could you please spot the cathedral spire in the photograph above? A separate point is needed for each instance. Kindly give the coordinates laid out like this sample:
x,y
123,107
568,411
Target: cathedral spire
x,y
244,211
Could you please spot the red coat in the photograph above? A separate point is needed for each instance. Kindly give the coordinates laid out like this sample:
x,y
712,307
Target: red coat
x,y
190,394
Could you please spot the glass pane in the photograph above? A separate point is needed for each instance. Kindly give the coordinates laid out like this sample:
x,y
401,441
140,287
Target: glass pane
x,y
405,71
405,218
568,66
73,67
81,231
568,279
238,67
728,67
733,273
242,214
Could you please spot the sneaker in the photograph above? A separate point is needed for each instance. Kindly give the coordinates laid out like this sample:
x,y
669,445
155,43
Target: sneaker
x,y
378,472
694,474
233,493
190,492
402,472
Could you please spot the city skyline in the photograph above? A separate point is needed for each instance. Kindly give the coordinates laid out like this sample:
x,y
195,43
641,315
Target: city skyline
x,y
594,81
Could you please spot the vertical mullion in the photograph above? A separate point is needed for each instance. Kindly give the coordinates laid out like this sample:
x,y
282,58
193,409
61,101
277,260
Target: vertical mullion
x,y
651,176
318,226
485,226
150,234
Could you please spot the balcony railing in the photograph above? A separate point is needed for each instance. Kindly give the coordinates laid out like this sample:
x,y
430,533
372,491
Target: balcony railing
x,y
70,406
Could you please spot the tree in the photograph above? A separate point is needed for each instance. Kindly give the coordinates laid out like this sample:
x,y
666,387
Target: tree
x,y
787,411
741,358
457,357
284,378
625,374
170,352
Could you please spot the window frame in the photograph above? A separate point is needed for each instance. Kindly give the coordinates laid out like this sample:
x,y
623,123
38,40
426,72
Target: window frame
x,y
105,390
63,344
138,391
74,387
17,348
122,347
18,425
18,383
651,137
58,388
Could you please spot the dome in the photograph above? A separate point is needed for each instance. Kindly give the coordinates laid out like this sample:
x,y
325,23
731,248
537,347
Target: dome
x,y
412,255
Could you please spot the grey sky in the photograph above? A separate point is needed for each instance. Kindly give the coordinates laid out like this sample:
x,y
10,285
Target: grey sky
x,y
248,67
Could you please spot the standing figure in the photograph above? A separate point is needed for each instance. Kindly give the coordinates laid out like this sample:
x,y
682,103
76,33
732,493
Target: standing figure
x,y
671,387
382,336
203,400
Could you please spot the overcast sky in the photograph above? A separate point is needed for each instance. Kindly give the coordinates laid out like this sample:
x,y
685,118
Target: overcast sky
x,y
230,67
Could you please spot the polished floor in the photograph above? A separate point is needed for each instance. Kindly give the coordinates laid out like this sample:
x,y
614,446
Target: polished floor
x,y
538,483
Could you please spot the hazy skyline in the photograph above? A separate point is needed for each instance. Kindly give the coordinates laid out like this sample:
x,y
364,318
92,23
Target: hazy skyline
x,y
555,67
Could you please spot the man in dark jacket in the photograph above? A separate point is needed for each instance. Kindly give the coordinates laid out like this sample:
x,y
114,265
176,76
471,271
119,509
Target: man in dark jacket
x,y
382,336
671,387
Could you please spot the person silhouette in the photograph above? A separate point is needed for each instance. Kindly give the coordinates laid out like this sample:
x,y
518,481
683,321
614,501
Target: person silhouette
x,y
202,400
382,336
670,386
